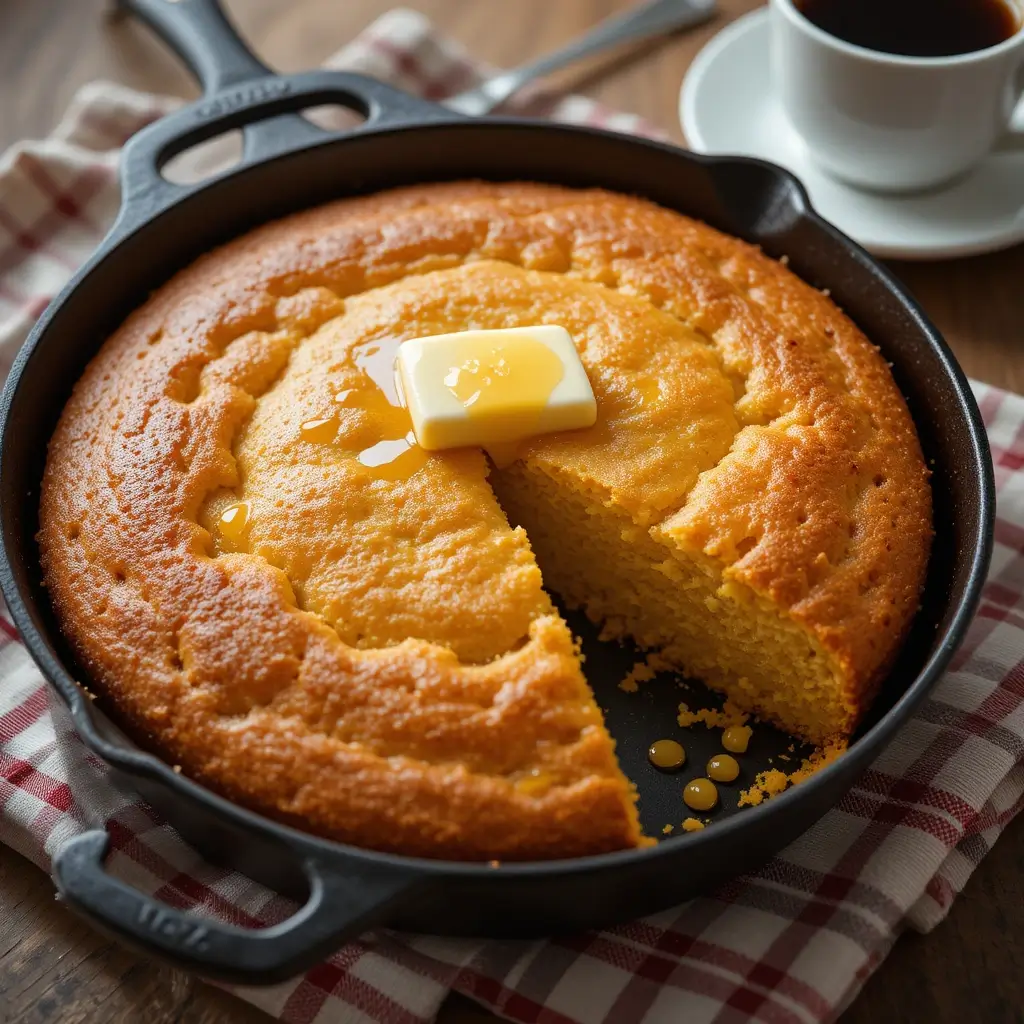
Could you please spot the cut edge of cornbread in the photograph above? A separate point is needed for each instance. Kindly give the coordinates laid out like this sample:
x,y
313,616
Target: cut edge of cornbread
x,y
678,602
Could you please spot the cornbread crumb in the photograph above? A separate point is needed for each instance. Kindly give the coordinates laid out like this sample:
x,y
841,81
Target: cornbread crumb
x,y
820,758
772,782
766,785
729,715
643,671
638,674
692,825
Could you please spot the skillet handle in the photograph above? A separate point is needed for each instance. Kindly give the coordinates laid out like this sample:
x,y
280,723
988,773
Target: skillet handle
x,y
239,91
337,910
201,34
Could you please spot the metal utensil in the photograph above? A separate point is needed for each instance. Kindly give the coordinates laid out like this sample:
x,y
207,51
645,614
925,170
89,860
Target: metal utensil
x,y
658,17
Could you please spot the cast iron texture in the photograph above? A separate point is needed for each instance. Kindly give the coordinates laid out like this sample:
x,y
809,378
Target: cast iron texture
x,y
288,165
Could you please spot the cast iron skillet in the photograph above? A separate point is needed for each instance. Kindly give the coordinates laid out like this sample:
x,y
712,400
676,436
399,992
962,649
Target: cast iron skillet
x,y
289,164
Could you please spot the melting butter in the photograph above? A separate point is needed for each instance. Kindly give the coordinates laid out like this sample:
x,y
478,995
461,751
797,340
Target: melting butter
x,y
493,388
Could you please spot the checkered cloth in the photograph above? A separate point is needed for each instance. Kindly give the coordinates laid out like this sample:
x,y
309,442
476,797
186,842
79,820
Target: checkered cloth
x,y
791,943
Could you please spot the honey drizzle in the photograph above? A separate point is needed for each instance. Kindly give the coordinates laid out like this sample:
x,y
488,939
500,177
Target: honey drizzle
x,y
396,456
377,360
320,431
504,453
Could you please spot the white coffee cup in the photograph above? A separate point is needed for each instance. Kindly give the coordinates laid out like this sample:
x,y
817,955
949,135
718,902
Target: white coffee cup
x,y
887,122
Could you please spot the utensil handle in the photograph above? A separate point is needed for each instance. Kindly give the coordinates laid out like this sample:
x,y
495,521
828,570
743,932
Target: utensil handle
x,y
201,34
654,18
337,910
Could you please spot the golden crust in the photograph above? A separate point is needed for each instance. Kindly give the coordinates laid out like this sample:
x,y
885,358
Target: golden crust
x,y
238,667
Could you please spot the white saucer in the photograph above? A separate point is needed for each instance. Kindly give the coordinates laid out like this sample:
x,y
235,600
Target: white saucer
x,y
726,106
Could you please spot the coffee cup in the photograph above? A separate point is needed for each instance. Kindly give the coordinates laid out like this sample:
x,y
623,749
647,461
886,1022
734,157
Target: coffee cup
x,y
889,122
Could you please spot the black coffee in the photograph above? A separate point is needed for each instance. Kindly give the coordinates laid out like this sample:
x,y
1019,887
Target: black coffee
x,y
915,28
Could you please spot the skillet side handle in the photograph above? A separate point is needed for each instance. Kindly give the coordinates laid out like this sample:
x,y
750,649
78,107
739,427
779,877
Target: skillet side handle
x,y
337,910
199,32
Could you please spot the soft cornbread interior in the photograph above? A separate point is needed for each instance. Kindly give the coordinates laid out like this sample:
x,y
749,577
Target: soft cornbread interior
x,y
375,658
641,585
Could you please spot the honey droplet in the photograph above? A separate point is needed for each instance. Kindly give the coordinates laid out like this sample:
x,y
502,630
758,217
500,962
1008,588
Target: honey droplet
x,y
723,768
535,782
393,460
668,755
700,794
320,431
233,521
692,825
736,738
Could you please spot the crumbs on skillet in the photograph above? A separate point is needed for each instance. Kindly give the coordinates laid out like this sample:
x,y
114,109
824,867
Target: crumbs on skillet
x,y
774,781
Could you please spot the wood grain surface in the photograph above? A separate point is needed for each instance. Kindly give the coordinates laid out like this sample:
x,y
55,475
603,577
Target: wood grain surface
x,y
55,968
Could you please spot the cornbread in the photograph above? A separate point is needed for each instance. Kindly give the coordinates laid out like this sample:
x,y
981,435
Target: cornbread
x,y
272,586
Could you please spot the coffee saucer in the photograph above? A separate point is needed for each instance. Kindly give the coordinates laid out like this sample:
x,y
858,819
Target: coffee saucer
x,y
726,107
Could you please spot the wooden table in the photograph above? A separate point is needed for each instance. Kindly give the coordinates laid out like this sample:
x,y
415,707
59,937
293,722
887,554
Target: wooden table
x,y
53,967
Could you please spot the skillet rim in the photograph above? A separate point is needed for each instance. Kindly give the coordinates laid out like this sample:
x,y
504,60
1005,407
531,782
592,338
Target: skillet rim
x,y
863,748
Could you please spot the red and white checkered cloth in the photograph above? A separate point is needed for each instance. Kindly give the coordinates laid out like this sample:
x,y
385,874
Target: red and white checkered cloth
x,y
791,943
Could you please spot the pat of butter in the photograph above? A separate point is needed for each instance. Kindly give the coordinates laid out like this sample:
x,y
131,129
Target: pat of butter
x,y
480,388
